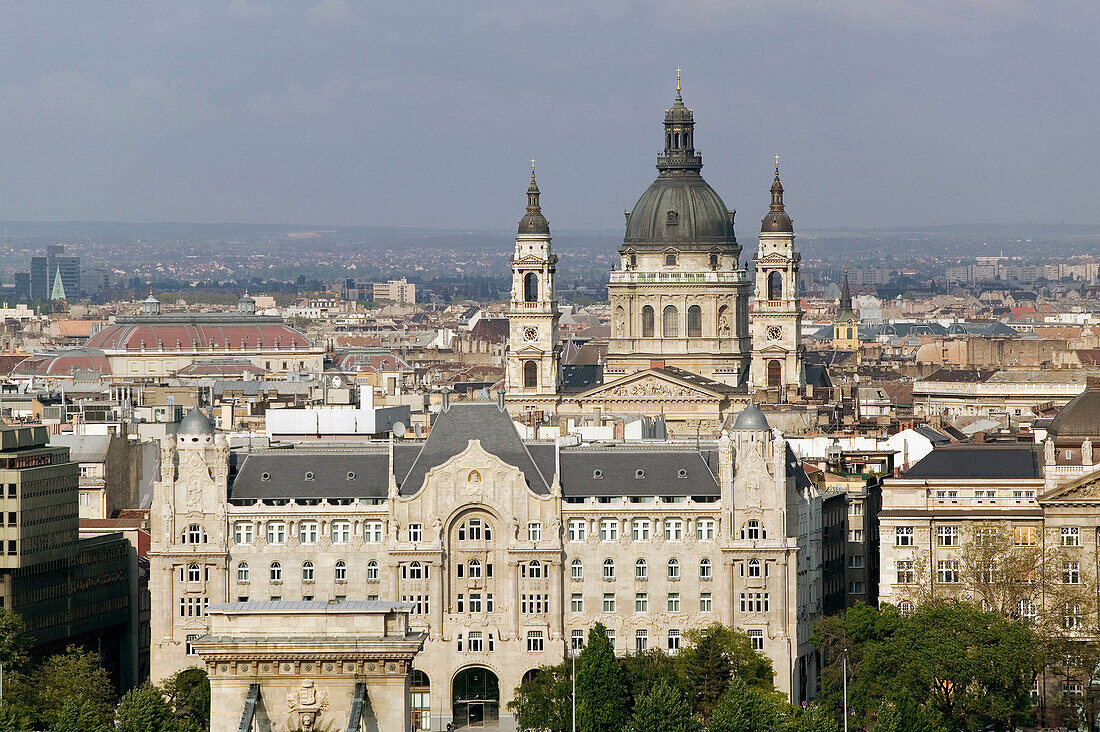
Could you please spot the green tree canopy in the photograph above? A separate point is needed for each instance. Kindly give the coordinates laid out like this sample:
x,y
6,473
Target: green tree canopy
x,y
188,692
662,707
603,695
712,657
744,708
145,710
12,718
14,642
72,685
546,701
903,714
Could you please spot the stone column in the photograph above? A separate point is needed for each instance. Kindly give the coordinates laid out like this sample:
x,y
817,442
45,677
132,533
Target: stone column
x,y
439,600
556,615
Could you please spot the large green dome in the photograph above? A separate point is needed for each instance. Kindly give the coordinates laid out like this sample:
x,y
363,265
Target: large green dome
x,y
679,209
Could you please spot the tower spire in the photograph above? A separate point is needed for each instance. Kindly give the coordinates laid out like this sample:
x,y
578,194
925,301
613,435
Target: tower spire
x,y
678,83
845,294
777,189
533,222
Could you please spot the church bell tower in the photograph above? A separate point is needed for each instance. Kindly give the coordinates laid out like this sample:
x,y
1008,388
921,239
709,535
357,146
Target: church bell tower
x,y
777,348
534,354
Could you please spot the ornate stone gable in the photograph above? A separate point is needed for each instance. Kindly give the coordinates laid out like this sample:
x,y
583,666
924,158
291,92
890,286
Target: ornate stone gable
x,y
1083,489
650,386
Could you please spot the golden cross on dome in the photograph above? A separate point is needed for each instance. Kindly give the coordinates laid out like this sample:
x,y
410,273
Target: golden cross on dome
x,y
677,78
532,167
777,165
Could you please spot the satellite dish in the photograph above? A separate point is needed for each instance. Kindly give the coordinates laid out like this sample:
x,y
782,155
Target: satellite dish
x,y
417,430
336,382
399,430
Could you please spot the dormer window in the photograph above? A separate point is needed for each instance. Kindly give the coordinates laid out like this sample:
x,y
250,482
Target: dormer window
x,y
670,258
672,218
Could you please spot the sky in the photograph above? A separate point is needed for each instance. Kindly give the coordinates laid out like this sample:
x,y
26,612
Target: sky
x,y
425,114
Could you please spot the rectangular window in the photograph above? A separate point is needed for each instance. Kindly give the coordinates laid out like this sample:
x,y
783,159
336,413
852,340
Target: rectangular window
x,y
754,602
673,640
341,532
475,602
190,648
641,641
674,530
855,535
461,603
372,532
535,641
855,509
1024,536
577,640
611,637
903,536
276,532
242,532
640,530
1071,573
576,529
855,588
641,602
947,572
905,573
416,533
855,561
576,603
704,602
704,529
947,535
84,502
534,531
674,602
1071,536
307,532
609,602
475,643
757,639
609,530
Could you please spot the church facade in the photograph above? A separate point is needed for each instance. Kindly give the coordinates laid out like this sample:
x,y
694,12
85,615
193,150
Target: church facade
x,y
682,343
505,553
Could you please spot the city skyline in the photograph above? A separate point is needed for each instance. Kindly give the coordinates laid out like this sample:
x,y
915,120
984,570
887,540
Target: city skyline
x,y
883,114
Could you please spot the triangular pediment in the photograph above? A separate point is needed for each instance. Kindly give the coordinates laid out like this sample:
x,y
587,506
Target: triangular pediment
x,y
1085,488
773,258
530,259
650,385
773,348
530,350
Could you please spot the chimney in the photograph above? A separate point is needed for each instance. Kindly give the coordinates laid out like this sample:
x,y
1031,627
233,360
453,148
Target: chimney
x,y
658,363
500,399
446,398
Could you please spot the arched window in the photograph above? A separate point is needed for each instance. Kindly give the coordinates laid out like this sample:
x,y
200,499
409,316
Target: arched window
x,y
243,575
475,569
195,534
647,322
674,569
641,570
340,571
676,137
753,530
415,571
775,285
194,573
530,374
668,139
276,572
609,569
372,571
775,373
714,260
670,322
530,287
849,334
723,324
307,571
695,322
754,567
576,570
704,569
534,570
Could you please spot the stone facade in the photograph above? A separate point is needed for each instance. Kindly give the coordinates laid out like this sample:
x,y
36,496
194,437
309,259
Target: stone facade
x,y
507,551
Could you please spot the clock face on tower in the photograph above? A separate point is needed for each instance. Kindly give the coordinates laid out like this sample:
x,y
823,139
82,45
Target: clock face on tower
x,y
774,332
530,334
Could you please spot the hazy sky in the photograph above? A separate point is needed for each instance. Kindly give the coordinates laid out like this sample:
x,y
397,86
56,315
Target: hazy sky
x,y
885,112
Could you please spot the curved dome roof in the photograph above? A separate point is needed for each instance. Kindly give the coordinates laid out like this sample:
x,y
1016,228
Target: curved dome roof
x,y
64,363
198,332
751,418
195,423
680,210
1080,418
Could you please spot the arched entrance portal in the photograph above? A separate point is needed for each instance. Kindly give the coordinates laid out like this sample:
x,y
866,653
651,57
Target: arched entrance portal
x,y
775,373
475,699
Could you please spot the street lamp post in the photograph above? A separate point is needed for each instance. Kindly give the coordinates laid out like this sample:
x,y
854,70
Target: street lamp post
x,y
573,655
844,666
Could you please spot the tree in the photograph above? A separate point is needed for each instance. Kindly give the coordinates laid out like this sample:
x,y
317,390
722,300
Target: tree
x,y
77,714
744,708
973,668
662,707
188,692
546,701
73,685
603,697
14,643
815,717
715,654
145,710
905,715
648,668
13,719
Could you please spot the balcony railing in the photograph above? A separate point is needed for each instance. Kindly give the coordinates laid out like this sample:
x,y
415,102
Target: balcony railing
x,y
702,278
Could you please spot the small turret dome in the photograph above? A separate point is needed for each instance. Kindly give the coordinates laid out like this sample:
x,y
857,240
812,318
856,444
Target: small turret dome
x,y
533,222
751,419
777,220
195,423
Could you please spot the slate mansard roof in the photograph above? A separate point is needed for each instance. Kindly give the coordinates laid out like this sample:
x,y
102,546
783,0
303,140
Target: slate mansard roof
x,y
1015,461
309,471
